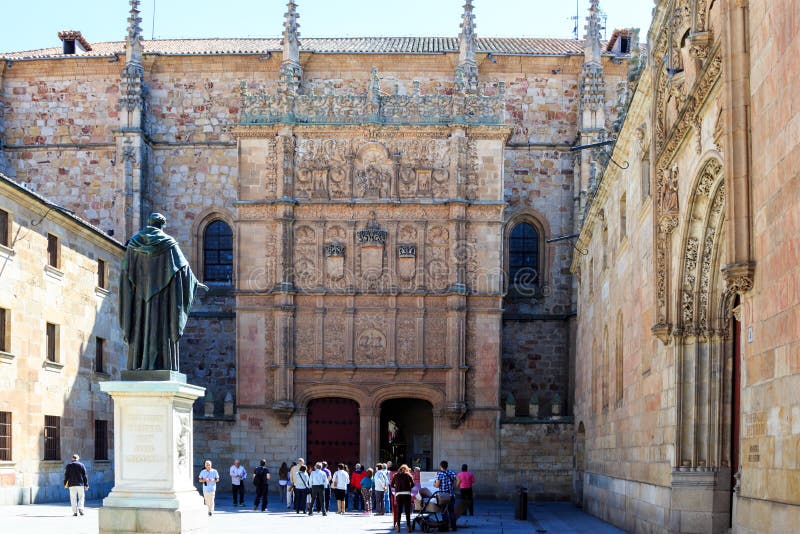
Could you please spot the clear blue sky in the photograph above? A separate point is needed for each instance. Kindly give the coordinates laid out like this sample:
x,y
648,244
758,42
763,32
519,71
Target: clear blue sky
x,y
32,24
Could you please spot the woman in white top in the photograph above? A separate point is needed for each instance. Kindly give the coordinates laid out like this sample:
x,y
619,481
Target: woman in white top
x,y
339,484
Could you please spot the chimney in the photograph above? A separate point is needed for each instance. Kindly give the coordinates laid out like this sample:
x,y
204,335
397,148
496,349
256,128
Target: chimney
x,y
72,40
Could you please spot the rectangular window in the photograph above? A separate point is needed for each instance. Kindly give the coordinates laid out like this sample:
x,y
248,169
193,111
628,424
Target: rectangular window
x,y
100,439
5,436
4,341
52,342
53,246
99,354
52,437
5,228
101,273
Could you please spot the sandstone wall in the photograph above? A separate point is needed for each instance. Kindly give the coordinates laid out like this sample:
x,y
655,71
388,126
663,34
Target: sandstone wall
x,y
30,387
770,447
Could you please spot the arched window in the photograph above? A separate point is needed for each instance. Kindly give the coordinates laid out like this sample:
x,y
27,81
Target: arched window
x,y
218,253
523,255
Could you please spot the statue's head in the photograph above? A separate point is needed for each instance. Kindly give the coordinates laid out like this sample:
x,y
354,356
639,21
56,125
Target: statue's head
x,y
157,220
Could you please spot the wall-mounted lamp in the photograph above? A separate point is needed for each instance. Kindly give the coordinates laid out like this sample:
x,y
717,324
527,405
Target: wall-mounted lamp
x,y
114,59
556,70
9,63
265,57
491,58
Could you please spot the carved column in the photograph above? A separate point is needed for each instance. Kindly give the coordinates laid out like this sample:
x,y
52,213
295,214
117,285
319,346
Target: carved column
x,y
391,332
420,331
349,327
739,272
284,406
319,338
455,390
369,438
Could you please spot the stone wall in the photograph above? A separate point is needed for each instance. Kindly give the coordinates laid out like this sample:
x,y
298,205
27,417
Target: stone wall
x,y
33,293
769,498
534,454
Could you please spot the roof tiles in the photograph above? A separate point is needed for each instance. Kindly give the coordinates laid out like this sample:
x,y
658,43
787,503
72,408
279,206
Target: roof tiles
x,y
321,45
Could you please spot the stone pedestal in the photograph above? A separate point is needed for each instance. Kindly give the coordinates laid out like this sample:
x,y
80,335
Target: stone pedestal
x,y
153,475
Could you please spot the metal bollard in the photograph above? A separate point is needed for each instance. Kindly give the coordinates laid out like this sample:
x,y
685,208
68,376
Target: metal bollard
x,y
521,504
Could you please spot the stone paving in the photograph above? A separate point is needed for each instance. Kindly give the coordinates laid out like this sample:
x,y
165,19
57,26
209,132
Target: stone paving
x,y
492,517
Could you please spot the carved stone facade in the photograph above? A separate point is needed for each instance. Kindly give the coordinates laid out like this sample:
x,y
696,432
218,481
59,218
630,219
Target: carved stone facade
x,y
371,189
702,349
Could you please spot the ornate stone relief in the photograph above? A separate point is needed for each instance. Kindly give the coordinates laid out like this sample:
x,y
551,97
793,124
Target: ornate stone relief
x,y
666,206
701,251
371,344
406,339
437,249
305,252
374,171
371,240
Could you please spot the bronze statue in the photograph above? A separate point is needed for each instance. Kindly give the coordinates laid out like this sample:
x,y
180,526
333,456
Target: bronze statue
x,y
156,291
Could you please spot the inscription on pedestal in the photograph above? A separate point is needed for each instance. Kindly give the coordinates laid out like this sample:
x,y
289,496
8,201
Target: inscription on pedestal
x,y
144,441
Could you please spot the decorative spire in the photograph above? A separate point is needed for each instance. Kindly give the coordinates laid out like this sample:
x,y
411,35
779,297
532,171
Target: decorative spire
x,y
133,41
291,72
467,69
591,44
132,82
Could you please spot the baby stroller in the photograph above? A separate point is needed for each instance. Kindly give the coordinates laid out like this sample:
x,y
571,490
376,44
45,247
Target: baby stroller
x,y
430,508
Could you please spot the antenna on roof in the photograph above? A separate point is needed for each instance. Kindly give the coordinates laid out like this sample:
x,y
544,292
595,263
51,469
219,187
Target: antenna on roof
x,y
575,18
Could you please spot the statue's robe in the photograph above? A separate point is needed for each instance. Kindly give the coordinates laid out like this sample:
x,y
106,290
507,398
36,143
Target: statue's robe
x,y
156,291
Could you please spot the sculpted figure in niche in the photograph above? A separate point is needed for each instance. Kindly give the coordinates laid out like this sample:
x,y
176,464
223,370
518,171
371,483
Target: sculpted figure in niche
x,y
156,291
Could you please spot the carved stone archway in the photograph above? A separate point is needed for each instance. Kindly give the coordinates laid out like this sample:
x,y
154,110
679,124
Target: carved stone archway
x,y
702,345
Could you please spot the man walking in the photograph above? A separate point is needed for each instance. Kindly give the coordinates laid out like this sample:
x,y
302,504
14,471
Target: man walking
x,y
261,480
209,478
238,474
446,482
319,481
76,481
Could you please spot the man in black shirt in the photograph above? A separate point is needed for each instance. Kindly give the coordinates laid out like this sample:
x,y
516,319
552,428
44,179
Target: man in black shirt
x,y
77,483
261,480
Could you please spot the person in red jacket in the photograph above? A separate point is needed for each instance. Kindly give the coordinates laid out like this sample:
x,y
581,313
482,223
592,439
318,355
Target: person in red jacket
x,y
355,488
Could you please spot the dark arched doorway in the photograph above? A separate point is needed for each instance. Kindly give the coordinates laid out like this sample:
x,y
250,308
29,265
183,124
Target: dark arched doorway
x,y
332,431
406,430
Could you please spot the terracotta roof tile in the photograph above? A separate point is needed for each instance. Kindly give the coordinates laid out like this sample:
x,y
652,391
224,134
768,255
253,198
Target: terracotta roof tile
x,y
321,45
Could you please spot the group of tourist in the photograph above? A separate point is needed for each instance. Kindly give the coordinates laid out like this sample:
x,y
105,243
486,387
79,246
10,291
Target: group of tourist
x,y
308,488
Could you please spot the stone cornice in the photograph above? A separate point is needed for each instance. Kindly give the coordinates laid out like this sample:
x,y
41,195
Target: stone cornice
x,y
369,130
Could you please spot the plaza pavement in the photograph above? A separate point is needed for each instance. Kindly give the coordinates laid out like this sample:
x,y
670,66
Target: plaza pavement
x,y
492,517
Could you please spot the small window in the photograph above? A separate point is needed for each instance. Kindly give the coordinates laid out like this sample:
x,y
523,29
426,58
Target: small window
x,y
100,439
101,273
52,437
646,177
52,342
218,253
4,330
99,354
623,217
5,436
53,247
5,228
523,255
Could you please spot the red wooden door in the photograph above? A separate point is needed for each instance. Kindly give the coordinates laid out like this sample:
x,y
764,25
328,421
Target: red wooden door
x,y
332,431
737,387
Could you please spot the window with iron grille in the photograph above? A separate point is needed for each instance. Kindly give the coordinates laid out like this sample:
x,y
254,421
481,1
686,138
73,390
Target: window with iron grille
x,y
218,252
4,341
523,255
101,273
52,342
100,439
4,228
5,436
99,354
52,437
52,250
